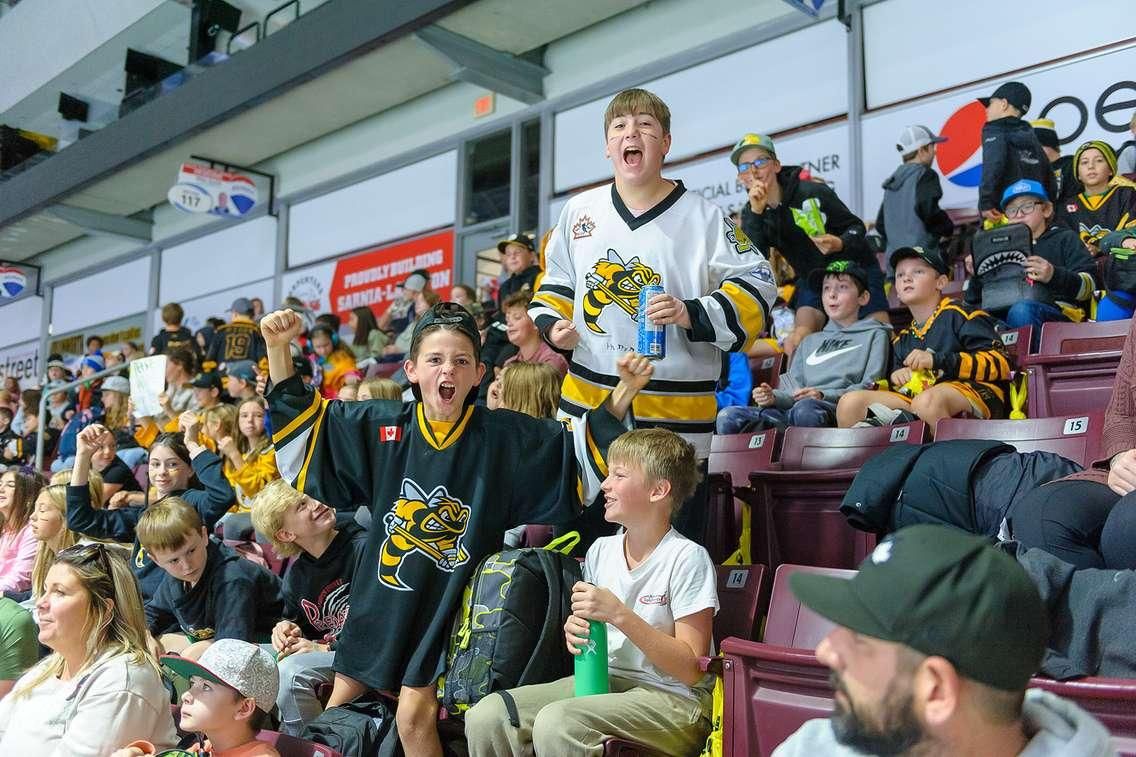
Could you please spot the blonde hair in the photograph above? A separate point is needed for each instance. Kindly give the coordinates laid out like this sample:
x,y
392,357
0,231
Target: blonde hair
x,y
382,389
45,553
118,417
531,388
632,102
116,623
94,484
167,525
268,508
226,416
662,456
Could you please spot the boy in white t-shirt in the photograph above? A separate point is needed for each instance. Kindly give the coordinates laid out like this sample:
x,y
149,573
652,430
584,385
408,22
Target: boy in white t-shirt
x,y
657,592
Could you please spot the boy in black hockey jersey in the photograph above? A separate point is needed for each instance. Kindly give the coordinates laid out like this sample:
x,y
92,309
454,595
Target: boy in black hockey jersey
x,y
957,347
317,587
445,480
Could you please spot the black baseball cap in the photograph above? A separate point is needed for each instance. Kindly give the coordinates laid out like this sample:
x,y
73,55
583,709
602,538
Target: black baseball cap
x,y
847,267
945,593
209,380
521,238
932,258
450,314
1014,92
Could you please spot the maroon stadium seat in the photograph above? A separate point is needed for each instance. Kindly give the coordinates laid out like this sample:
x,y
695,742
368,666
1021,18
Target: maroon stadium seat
x,y
743,592
732,459
1017,342
1074,368
797,515
766,370
291,746
1076,437
789,623
774,686
741,454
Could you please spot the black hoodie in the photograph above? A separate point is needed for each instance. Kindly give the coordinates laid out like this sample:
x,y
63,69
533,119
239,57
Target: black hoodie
x,y
1010,151
776,227
317,589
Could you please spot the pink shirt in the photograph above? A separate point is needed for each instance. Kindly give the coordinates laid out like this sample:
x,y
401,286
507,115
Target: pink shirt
x,y
544,354
17,556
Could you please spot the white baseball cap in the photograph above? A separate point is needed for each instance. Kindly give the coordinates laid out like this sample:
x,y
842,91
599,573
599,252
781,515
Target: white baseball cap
x,y
914,137
243,667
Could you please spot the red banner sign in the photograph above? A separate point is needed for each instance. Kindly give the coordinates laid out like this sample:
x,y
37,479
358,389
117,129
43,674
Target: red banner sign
x,y
371,278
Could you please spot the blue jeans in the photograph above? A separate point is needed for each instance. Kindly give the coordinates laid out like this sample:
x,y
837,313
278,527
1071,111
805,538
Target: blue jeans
x,y
1031,313
806,412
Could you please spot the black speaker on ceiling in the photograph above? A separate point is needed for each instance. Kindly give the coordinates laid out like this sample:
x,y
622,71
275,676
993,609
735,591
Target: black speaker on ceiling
x,y
208,19
14,148
143,71
72,108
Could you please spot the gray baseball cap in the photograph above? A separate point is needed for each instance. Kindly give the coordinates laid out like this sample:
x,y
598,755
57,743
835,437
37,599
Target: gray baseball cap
x,y
239,665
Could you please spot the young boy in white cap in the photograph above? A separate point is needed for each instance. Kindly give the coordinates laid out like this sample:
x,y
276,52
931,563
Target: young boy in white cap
x,y
232,690
910,215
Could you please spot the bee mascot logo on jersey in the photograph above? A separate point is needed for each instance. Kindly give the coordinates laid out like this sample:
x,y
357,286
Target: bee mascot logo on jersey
x,y
613,281
432,525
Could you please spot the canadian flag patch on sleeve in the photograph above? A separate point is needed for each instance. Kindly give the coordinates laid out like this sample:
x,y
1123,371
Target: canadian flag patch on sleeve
x,y
390,434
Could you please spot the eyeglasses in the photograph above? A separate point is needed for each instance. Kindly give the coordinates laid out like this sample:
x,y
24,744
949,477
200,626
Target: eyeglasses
x,y
1022,210
754,164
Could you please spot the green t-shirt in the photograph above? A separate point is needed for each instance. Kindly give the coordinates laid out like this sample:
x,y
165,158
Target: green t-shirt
x,y
18,649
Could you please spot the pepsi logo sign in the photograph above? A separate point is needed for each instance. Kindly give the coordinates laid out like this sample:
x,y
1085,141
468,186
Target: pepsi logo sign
x,y
959,159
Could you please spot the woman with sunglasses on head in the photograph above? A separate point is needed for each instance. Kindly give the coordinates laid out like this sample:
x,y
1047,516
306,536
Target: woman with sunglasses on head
x,y
175,459
100,687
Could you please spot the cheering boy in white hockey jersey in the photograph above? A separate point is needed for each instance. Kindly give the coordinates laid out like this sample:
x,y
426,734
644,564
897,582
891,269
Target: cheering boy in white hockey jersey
x,y
643,229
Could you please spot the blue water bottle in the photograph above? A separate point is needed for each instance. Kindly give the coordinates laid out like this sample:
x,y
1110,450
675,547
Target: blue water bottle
x,y
652,337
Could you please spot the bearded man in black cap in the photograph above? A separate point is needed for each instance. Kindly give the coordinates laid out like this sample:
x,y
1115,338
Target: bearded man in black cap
x,y
937,637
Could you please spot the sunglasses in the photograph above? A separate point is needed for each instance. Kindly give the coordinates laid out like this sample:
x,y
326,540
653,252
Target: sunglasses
x,y
87,553
754,164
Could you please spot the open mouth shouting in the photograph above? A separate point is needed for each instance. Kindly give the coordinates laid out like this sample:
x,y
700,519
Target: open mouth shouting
x,y
632,156
447,390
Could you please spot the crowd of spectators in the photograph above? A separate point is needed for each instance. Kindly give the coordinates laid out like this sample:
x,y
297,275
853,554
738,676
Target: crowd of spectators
x,y
138,576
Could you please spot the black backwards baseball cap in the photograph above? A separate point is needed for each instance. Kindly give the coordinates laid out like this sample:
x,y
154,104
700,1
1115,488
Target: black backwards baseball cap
x,y
932,258
944,593
1013,92
847,267
448,314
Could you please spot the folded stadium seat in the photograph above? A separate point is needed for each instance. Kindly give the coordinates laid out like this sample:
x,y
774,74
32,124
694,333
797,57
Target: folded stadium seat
x,y
291,746
383,370
767,370
773,687
1074,368
732,458
1017,342
743,593
797,515
249,550
1075,438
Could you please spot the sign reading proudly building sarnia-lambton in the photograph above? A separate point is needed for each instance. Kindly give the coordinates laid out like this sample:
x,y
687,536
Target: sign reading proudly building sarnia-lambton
x,y
371,278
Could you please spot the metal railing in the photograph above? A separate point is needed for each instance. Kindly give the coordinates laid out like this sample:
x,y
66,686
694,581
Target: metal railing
x,y
65,388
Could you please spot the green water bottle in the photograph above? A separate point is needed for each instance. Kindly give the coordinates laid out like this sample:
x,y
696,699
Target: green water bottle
x,y
590,666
